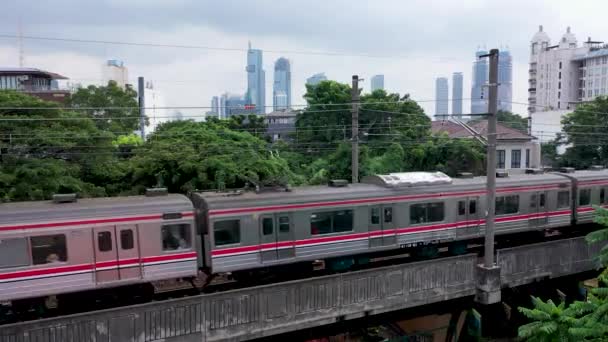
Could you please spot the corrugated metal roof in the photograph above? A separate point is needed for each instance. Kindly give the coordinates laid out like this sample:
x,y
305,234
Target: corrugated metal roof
x,y
31,71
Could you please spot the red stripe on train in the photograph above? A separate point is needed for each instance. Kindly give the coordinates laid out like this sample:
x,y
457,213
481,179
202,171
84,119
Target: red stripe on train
x,y
91,267
87,222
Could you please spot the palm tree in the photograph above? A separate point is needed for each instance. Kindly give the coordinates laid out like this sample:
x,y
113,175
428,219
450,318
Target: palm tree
x,y
550,322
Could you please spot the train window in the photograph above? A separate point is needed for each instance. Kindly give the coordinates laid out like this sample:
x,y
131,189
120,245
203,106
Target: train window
x,y
584,197
104,241
563,199
328,222
507,205
541,201
227,232
388,215
48,249
14,253
267,225
533,200
176,236
426,212
284,224
603,196
472,206
462,205
375,215
126,239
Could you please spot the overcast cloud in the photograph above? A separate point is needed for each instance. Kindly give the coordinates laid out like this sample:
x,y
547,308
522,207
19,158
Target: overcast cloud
x,y
418,39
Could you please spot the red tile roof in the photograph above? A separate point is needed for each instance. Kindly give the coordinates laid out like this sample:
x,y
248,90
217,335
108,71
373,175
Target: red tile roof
x,y
454,130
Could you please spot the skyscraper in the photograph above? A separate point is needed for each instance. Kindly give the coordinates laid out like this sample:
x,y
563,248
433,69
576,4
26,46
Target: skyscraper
x,y
479,103
457,93
441,96
281,91
115,70
505,81
256,80
316,78
377,82
215,105
222,110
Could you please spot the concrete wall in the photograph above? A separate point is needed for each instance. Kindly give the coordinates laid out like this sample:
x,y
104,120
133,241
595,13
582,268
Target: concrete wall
x,y
274,309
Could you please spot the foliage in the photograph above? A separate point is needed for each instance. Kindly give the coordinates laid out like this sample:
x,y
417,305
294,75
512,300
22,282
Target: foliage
x,y
116,109
585,130
581,320
187,155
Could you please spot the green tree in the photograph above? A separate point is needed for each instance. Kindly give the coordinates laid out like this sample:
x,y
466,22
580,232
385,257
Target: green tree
x,y
585,130
551,323
116,108
512,120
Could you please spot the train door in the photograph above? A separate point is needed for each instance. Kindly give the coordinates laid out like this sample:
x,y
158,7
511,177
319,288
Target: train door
x,y
129,262
106,254
538,210
276,237
467,216
381,226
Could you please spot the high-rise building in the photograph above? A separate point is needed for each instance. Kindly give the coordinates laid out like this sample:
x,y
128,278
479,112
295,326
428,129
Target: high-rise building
x,y
316,78
281,91
441,96
479,102
457,93
256,80
222,109
215,105
377,82
505,81
115,70
234,104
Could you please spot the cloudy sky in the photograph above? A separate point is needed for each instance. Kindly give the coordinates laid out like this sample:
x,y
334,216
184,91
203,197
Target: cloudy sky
x,y
412,41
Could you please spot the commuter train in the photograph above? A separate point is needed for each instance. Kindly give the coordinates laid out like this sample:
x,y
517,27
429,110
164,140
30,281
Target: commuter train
x,y
66,246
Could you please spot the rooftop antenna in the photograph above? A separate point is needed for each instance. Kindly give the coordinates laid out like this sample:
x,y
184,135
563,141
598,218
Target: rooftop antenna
x,y
20,43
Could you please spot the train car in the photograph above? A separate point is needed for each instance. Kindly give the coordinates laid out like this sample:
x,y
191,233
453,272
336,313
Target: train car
x,y
591,188
248,230
50,248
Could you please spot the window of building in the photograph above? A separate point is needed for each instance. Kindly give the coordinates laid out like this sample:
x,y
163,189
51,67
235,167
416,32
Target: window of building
x,y
48,249
596,92
559,85
14,253
227,232
527,157
126,239
507,204
559,75
472,206
604,70
284,224
589,93
515,159
267,226
461,208
559,94
388,215
426,212
328,222
560,66
500,159
603,199
584,197
104,241
375,215
563,199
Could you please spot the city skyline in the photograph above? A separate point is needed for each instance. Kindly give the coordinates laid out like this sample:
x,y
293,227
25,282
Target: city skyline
x,y
256,80
457,93
377,82
281,87
441,97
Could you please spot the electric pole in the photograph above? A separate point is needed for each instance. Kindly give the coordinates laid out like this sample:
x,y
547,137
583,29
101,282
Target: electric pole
x,y
355,130
491,167
142,106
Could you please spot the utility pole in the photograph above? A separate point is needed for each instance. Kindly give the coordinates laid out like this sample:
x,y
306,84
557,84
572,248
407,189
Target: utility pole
x,y
491,173
142,106
355,130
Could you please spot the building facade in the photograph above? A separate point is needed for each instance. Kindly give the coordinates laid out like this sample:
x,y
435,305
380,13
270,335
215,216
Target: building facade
x,y
281,91
115,70
479,102
441,97
234,104
505,81
377,82
35,82
565,74
256,80
316,79
457,95
280,124
215,105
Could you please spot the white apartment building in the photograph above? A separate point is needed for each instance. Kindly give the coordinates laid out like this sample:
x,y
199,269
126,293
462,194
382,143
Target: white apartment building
x,y
115,70
564,74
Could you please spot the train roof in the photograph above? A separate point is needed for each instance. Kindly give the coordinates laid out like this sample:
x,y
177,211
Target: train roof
x,y
304,194
36,211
